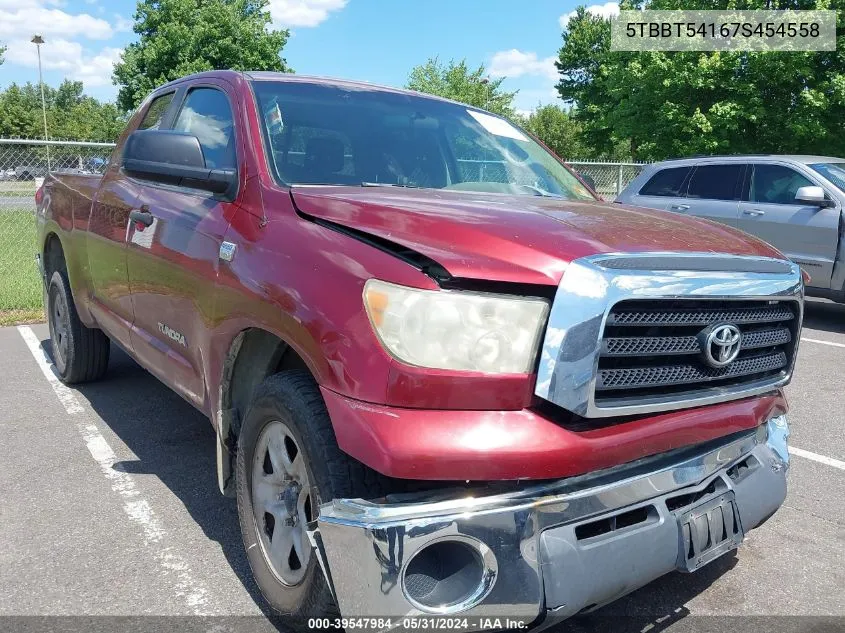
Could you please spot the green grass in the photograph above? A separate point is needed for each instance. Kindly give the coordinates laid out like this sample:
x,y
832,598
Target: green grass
x,y
19,317
20,288
17,189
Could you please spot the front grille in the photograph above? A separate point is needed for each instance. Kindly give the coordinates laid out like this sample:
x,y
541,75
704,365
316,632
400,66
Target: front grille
x,y
705,316
655,348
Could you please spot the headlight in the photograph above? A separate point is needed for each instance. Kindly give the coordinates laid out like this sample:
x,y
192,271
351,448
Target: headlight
x,y
446,329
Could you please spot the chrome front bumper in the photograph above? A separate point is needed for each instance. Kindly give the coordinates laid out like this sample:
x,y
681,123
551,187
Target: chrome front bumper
x,y
558,547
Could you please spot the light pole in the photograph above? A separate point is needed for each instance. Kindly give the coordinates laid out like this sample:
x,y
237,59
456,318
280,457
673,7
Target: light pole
x,y
486,83
38,41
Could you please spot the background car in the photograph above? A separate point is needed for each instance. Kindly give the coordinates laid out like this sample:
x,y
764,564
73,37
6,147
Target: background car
x,y
30,171
793,202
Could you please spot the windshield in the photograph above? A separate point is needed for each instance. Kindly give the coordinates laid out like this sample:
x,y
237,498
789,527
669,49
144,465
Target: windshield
x,y
354,135
834,172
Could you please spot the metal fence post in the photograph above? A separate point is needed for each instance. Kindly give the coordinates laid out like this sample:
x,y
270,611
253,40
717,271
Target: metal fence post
x,y
619,179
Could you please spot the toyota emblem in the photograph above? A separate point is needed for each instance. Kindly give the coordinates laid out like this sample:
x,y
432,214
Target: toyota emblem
x,y
722,345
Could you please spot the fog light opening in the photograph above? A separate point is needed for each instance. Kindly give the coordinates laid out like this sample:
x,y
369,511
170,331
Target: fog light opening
x,y
449,576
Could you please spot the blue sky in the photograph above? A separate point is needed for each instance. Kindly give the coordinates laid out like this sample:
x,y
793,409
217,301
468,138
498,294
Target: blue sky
x,y
371,40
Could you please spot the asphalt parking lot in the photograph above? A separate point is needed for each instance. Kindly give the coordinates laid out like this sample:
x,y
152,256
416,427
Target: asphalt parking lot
x,y
110,506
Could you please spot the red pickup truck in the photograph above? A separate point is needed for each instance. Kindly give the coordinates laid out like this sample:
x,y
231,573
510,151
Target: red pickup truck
x,y
445,378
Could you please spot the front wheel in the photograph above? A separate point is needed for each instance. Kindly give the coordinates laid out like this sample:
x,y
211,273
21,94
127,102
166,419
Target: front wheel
x,y
80,354
288,463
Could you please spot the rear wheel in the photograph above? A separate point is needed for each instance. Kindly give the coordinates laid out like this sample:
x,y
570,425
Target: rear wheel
x,y
288,463
80,354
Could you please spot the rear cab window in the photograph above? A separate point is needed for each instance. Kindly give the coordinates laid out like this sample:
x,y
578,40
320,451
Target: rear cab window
x,y
155,113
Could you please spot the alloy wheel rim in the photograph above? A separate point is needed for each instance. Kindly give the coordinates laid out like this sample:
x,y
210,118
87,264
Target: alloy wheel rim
x,y
281,502
59,329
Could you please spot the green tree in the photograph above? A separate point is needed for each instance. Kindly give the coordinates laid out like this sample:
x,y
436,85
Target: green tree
x,y
180,37
675,104
558,130
71,115
2,50
18,112
456,81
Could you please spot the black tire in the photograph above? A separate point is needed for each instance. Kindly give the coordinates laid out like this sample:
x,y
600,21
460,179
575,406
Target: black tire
x,y
293,398
80,354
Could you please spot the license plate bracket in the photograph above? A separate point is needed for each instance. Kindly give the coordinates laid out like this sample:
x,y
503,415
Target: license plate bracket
x,y
708,530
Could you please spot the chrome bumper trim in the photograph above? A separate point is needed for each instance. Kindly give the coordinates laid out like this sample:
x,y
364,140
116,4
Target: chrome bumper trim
x,y
591,286
367,545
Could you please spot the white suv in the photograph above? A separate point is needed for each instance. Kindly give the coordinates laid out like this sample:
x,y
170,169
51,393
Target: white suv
x,y
793,202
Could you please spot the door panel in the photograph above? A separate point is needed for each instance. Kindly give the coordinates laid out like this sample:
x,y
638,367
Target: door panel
x,y
108,233
173,266
663,189
724,211
173,261
111,303
651,202
807,234
713,193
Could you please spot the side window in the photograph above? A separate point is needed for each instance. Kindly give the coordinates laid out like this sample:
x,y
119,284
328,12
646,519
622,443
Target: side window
x,y
715,182
666,182
152,119
776,184
207,115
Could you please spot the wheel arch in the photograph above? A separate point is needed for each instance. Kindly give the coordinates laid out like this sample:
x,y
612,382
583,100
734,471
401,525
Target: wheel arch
x,y
59,250
253,355
53,254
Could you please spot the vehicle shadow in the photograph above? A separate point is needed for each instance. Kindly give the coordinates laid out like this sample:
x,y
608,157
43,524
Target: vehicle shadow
x,y
654,608
824,315
175,442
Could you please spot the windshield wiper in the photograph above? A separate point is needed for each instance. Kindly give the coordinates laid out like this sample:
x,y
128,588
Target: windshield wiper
x,y
389,184
539,191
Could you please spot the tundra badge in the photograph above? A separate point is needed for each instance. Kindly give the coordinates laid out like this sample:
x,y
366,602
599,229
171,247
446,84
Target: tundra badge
x,y
172,334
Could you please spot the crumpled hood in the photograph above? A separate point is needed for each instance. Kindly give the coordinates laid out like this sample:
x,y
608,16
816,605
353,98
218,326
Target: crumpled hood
x,y
526,239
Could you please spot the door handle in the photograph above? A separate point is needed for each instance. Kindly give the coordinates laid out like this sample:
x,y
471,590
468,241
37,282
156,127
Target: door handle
x,y
754,212
141,216
679,207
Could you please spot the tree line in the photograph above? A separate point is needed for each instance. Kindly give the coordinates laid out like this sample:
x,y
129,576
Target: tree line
x,y
71,115
637,105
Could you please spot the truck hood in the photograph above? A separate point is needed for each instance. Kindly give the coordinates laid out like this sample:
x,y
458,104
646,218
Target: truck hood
x,y
524,239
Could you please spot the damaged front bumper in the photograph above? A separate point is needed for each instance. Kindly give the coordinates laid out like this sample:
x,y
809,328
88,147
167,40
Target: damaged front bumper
x,y
554,548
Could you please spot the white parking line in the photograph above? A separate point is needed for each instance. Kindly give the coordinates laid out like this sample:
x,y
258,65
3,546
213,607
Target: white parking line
x,y
136,507
820,342
66,397
800,452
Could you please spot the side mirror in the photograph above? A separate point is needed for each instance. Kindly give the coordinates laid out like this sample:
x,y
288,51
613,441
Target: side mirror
x,y
812,195
174,158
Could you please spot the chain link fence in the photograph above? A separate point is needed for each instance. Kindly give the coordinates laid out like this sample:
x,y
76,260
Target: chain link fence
x,y
22,164
608,179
